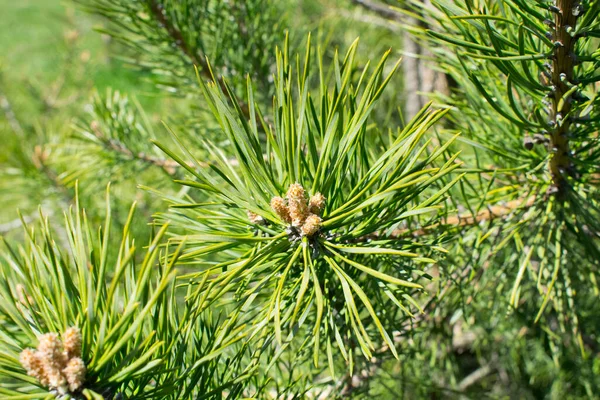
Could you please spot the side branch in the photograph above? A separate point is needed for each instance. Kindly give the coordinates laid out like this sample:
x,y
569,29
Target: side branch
x,y
562,81
177,37
118,147
170,167
491,213
382,10
157,10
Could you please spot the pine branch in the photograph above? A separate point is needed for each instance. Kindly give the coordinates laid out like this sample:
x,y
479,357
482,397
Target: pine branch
x,y
171,167
498,211
178,39
200,62
168,166
565,19
383,10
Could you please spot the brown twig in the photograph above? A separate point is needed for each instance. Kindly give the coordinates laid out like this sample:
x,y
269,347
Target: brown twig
x,y
498,211
203,67
562,81
158,11
384,10
474,377
169,166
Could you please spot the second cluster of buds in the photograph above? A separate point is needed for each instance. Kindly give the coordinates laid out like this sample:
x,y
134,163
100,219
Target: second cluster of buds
x,y
302,213
57,363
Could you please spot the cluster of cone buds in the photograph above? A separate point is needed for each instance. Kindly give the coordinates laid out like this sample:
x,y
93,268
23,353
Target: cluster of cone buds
x,y
296,210
57,363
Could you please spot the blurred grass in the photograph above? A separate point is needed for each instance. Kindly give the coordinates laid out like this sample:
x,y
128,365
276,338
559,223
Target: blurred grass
x,y
35,36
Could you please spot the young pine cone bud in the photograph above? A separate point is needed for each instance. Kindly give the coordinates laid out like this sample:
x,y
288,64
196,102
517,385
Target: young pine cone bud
x,y
278,205
316,203
56,380
57,364
72,342
255,218
32,363
75,373
297,204
311,225
50,350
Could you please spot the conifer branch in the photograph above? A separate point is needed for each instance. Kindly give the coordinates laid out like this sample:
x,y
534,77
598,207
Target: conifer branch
x,y
565,20
384,10
498,211
201,63
159,13
168,166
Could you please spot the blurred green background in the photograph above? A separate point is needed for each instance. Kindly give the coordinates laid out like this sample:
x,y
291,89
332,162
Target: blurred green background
x,y
51,63
54,58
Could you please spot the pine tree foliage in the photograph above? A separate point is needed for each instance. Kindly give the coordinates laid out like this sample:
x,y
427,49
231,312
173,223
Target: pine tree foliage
x,y
114,140
133,342
535,67
299,240
316,258
525,94
169,37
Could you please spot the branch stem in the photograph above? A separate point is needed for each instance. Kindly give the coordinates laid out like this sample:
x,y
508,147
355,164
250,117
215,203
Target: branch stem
x,y
562,80
384,10
158,11
497,211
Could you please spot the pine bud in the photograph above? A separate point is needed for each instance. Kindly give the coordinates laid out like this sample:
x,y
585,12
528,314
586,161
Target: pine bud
x,y
311,225
297,204
316,203
75,373
57,364
72,342
296,192
32,363
278,205
56,380
255,218
50,350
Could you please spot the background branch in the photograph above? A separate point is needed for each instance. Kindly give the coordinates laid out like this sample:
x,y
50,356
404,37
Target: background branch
x,y
384,10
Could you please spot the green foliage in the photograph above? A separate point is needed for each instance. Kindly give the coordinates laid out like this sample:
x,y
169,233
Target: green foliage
x,y
114,140
169,37
524,100
312,279
135,342
320,247
535,68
